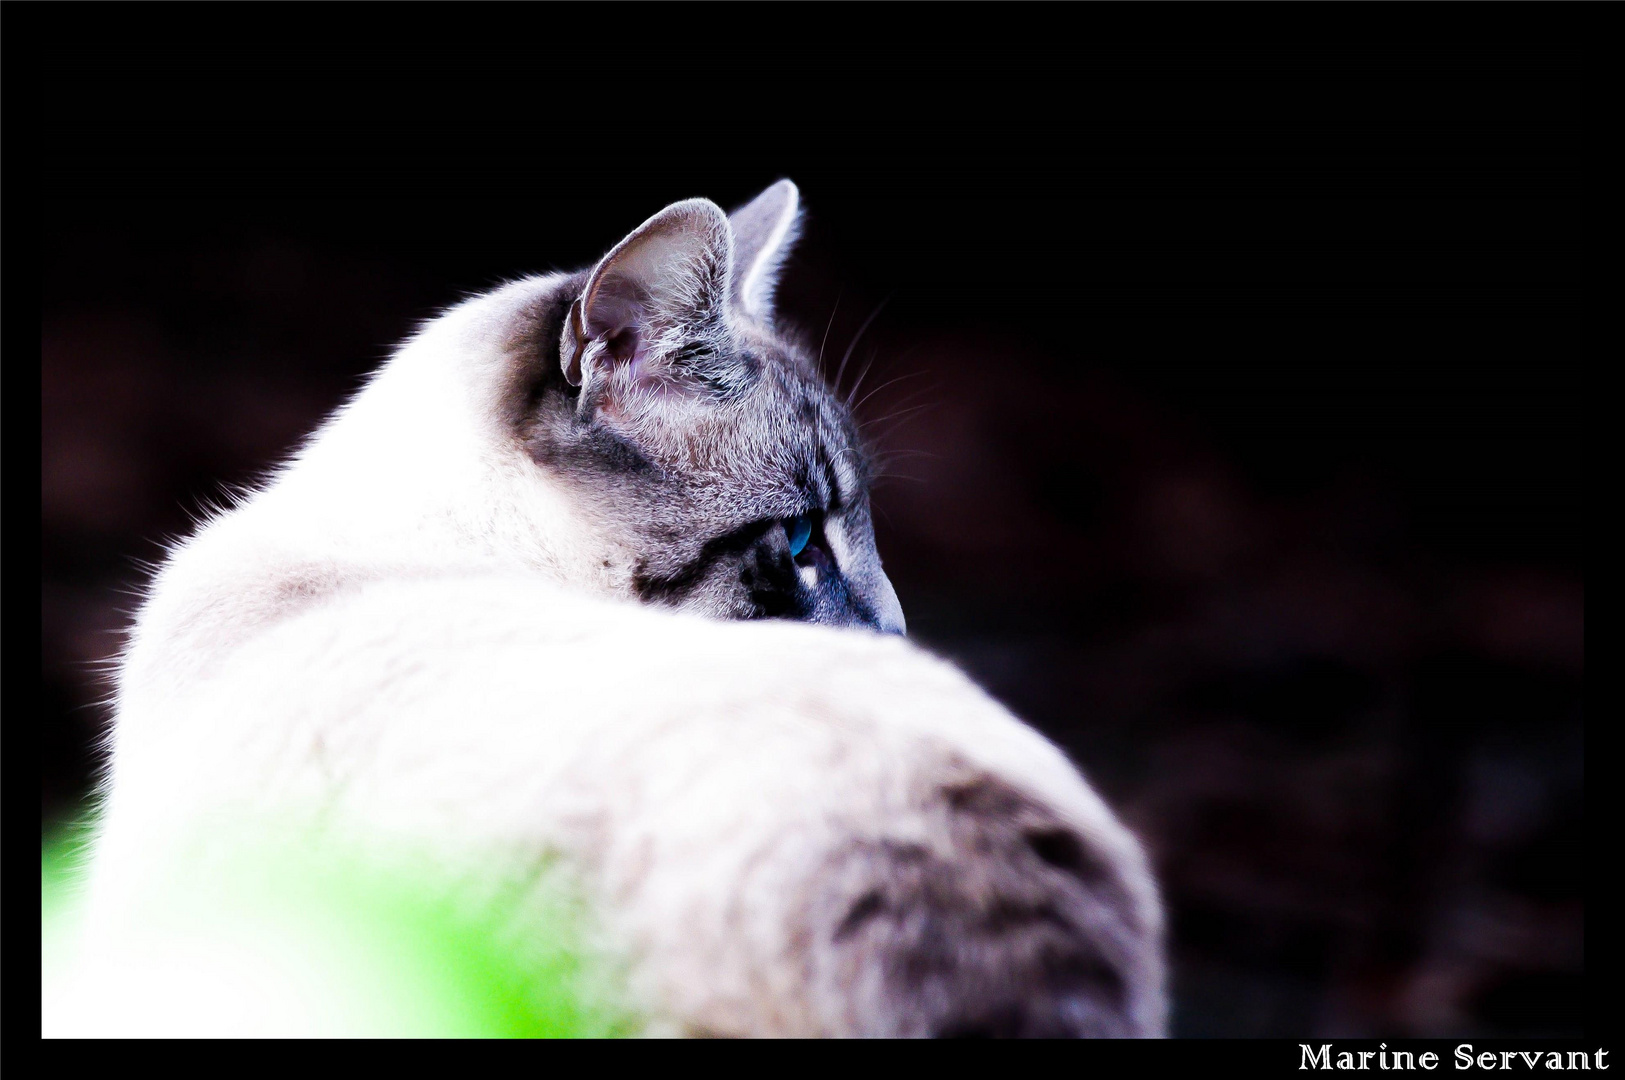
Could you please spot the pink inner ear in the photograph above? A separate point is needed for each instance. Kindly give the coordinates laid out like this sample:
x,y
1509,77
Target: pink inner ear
x,y
615,305
615,316
623,345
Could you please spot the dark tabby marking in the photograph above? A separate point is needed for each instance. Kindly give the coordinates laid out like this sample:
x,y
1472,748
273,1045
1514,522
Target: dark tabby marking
x,y
1001,923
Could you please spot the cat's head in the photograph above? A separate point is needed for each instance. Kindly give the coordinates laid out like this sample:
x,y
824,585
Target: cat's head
x,y
698,436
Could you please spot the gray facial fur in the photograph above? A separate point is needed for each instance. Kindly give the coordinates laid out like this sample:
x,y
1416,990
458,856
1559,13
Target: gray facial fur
x,y
694,432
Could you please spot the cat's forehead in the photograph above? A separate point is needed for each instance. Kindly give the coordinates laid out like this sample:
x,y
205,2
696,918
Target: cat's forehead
x,y
809,416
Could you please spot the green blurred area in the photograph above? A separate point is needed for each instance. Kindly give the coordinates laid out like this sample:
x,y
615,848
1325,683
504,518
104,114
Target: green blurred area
x,y
288,934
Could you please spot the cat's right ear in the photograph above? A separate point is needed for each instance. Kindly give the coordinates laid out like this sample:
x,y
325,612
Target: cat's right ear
x,y
668,280
764,231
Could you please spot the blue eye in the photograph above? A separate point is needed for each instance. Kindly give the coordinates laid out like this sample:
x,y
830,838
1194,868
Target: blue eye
x,y
798,530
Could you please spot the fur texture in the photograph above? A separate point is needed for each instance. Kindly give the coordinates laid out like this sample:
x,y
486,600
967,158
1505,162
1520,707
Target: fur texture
x,y
535,590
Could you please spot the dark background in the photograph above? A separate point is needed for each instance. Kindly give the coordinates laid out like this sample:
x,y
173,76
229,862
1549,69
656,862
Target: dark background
x,y
1231,397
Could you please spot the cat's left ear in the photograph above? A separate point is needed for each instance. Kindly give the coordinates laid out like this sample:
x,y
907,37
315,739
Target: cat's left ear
x,y
764,230
665,283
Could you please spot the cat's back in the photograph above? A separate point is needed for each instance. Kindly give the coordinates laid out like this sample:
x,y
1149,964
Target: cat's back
x,y
495,658
835,784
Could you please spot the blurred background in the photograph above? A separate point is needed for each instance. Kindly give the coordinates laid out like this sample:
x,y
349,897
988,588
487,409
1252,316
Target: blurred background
x,y
1229,398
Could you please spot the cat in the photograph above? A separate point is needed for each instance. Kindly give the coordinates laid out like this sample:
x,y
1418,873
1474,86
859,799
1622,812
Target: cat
x,y
585,575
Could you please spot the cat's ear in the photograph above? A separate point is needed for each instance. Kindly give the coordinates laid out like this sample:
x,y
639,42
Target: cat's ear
x,y
764,231
667,282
